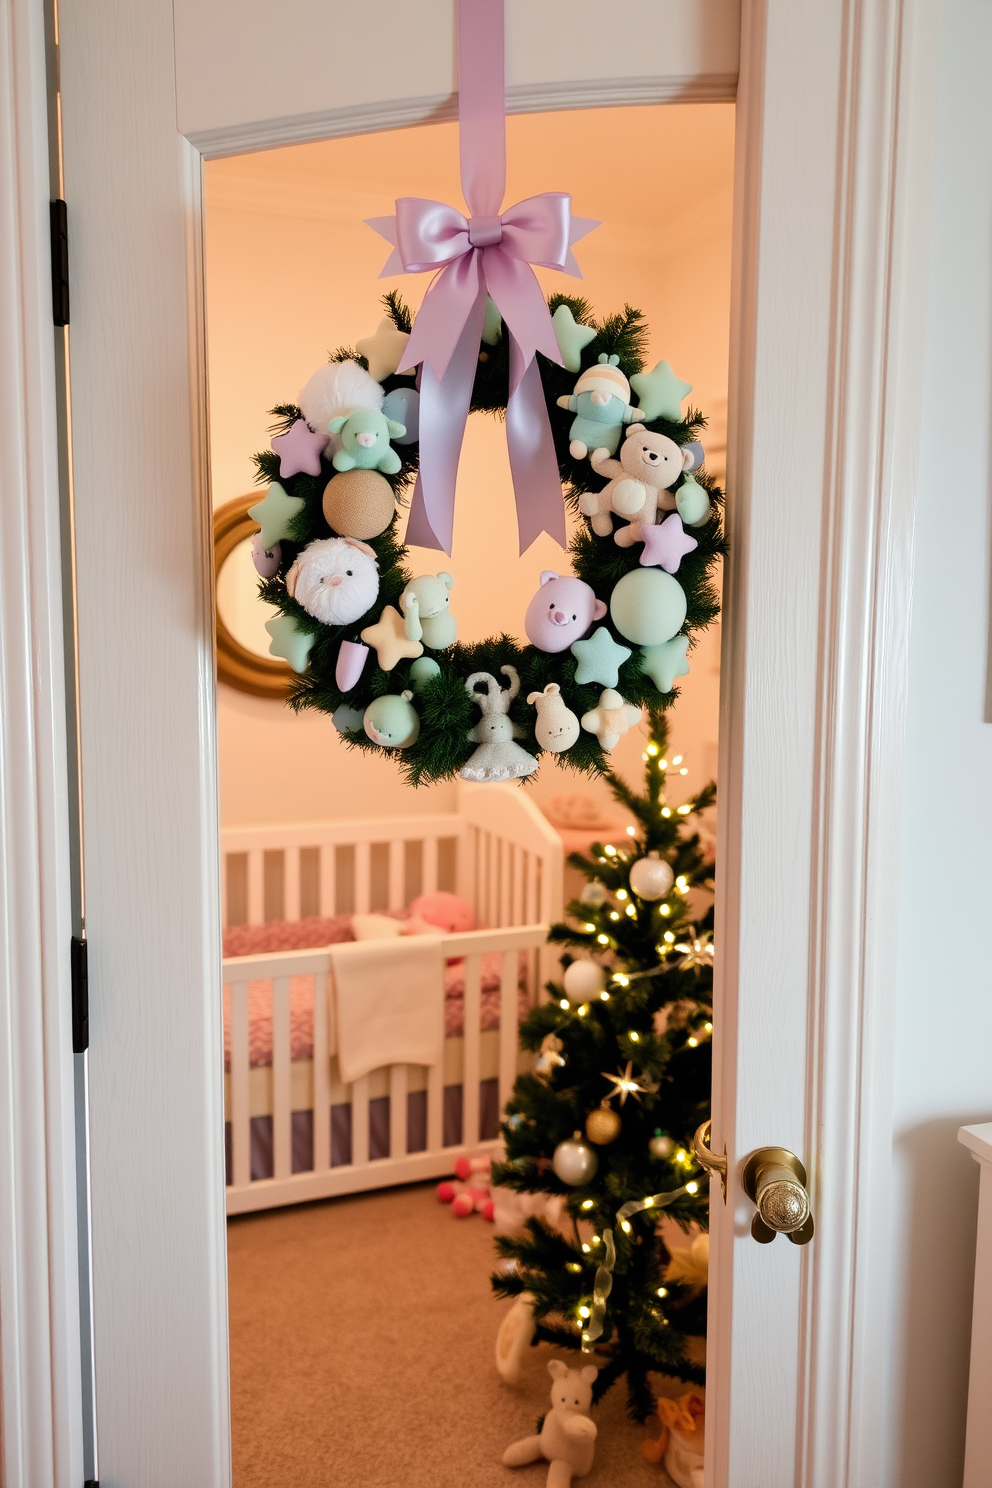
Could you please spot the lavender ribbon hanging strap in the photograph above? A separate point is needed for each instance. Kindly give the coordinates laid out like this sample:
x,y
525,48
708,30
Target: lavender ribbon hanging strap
x,y
488,252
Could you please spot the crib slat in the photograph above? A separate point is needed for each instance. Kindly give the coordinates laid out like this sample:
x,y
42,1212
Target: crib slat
x,y
435,1108
282,1134
363,877
428,880
508,1026
397,862
470,1071
328,886
256,886
291,883
360,1122
321,1076
397,1111
240,1072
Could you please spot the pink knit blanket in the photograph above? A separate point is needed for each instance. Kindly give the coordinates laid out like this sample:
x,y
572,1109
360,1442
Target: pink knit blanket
x,y
296,935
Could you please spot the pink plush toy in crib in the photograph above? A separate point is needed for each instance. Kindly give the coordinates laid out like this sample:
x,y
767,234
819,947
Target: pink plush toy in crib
x,y
469,1192
442,911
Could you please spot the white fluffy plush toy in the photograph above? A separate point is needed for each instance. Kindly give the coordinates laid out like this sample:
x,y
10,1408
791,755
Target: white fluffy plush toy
x,y
335,390
335,579
567,1439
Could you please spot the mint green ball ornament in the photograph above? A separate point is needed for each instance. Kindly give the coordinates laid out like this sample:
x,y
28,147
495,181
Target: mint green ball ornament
x,y
392,721
422,671
648,606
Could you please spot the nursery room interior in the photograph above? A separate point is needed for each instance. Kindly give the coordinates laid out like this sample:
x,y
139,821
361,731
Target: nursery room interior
x,y
363,1215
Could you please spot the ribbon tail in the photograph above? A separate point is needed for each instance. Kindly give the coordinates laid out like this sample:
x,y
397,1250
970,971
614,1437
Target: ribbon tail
x,y
444,409
533,462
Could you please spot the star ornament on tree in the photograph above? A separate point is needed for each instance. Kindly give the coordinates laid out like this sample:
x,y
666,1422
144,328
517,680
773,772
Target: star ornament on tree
x,y
299,450
385,350
624,1084
697,952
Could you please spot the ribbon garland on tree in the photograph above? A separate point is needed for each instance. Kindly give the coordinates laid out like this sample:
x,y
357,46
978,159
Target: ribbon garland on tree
x,y
490,252
603,1281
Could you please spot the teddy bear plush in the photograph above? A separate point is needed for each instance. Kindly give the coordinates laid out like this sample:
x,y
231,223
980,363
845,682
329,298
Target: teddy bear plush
x,y
365,436
600,401
639,486
424,603
567,1439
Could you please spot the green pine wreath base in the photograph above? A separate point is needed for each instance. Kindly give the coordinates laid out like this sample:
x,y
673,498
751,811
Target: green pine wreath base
x,y
447,713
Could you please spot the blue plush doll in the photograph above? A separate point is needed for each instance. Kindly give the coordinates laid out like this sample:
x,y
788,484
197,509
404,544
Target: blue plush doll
x,y
365,435
601,403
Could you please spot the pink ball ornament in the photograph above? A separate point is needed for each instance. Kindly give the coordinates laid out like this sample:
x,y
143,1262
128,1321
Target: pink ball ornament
x,y
561,612
266,560
583,980
651,878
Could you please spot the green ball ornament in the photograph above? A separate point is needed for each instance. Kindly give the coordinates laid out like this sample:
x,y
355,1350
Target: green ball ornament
x,y
648,606
392,721
422,671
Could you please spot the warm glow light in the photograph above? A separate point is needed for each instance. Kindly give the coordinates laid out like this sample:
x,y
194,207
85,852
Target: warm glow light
x,y
587,1203
620,979
683,771
634,1036
666,909
632,911
662,1291
708,1027
684,810
604,996
663,763
681,880
621,893
603,939
681,1156
653,749
584,1312
677,759
614,915
588,927
624,1225
610,850
692,1187
631,831
572,1266
669,937
666,811
565,1004
595,1240
693,1042
585,1008
585,1247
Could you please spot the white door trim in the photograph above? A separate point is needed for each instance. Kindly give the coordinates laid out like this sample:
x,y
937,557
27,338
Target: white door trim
x,y
834,123
40,1410
863,449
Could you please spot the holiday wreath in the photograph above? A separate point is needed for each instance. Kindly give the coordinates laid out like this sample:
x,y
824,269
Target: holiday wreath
x,y
376,647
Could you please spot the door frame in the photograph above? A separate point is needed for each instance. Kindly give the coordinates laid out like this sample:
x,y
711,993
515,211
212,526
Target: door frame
x,y
830,263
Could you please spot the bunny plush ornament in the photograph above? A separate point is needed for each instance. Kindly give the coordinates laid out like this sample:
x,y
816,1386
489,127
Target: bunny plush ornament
x,y
498,756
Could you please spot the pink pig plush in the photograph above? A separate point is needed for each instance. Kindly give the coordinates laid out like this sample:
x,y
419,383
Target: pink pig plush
x,y
561,612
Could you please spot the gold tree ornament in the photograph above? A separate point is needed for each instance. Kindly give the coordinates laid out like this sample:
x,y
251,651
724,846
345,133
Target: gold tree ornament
x,y
696,952
603,1125
624,1085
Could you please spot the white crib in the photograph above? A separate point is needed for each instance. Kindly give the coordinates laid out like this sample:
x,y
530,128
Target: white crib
x,y
500,854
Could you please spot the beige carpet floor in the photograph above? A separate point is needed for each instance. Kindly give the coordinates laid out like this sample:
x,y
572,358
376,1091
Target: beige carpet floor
x,y
362,1336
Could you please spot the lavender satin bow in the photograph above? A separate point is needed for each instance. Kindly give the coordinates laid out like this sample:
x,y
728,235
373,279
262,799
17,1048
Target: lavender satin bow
x,y
489,252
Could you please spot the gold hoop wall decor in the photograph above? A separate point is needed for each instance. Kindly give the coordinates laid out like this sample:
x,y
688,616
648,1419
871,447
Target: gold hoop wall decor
x,y
263,676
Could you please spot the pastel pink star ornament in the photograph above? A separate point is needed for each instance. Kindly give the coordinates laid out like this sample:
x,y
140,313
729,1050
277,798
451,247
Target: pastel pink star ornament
x,y
666,544
299,450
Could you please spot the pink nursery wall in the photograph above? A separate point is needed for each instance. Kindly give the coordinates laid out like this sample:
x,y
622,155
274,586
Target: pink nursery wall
x,y
292,273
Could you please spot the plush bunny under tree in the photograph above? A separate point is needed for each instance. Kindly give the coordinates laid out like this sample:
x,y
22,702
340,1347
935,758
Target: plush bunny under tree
x,y
567,1438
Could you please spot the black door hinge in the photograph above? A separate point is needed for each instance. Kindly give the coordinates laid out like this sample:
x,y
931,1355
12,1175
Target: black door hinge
x,y
80,997
60,263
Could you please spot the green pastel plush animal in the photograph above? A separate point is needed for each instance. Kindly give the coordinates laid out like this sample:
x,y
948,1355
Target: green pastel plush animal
x,y
424,603
365,435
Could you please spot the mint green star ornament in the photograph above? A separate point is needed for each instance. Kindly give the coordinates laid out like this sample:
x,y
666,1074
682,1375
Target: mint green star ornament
x,y
599,658
289,642
275,513
660,393
666,662
571,337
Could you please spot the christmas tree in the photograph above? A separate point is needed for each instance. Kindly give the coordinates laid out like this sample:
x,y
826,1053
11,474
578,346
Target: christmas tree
x,y
621,1082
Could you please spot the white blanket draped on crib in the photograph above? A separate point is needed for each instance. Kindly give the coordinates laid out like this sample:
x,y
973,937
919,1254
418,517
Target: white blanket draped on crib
x,y
388,1004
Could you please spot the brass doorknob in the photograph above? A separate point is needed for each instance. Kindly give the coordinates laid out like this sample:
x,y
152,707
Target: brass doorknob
x,y
775,1181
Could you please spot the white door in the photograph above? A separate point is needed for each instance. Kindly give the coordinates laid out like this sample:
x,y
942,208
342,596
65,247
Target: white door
x,y
824,388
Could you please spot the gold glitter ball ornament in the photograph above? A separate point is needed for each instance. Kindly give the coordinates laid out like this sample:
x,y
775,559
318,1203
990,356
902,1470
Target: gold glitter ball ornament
x,y
603,1126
